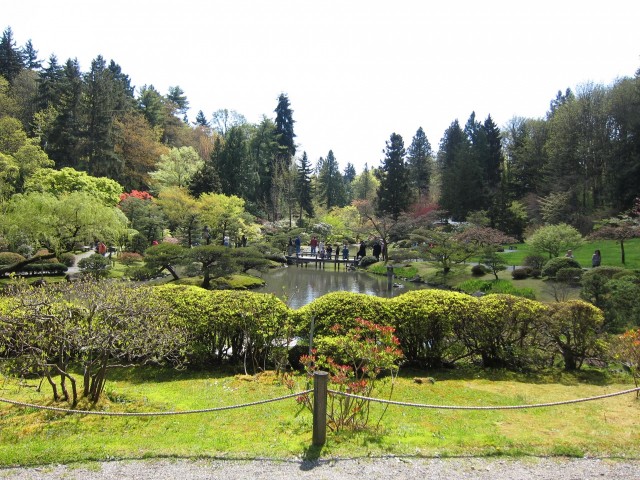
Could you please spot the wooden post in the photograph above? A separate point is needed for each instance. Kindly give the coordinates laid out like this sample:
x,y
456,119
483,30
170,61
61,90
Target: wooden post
x,y
389,277
320,383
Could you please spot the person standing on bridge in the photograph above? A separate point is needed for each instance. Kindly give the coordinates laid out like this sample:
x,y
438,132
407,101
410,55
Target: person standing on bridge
x,y
321,249
376,250
345,252
298,245
363,250
314,245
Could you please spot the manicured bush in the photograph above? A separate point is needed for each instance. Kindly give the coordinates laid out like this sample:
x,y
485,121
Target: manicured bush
x,y
424,325
574,329
594,283
44,269
478,270
10,258
570,276
520,273
67,258
142,273
503,332
553,265
130,258
366,261
341,308
234,326
534,261
44,251
95,266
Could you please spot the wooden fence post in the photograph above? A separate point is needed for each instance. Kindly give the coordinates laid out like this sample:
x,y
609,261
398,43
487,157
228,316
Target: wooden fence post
x,y
320,383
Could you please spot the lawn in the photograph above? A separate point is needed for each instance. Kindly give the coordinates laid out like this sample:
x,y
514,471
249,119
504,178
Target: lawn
x,y
610,250
608,427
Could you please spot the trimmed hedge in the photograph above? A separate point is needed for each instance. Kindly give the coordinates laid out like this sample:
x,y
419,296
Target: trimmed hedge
x,y
553,265
10,258
424,322
434,327
342,308
229,325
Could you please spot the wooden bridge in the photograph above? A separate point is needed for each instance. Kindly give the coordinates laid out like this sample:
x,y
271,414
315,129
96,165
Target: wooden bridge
x,y
304,259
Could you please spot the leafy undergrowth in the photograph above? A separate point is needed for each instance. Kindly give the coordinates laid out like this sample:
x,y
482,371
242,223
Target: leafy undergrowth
x,y
608,427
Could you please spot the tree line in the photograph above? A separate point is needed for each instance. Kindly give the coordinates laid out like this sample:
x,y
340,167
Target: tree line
x,y
578,164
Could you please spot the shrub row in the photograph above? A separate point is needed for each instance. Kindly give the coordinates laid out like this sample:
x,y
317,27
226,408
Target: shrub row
x,y
33,269
434,327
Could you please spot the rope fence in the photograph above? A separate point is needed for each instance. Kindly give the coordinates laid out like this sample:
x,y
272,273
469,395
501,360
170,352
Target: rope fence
x,y
151,414
488,407
320,391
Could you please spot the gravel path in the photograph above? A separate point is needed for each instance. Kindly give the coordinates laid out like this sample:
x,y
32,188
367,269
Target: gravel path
x,y
391,468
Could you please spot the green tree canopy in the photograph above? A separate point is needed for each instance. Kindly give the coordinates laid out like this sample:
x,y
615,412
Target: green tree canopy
x,y
67,180
176,168
64,221
554,239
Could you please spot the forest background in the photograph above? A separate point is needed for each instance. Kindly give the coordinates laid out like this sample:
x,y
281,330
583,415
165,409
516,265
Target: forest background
x,y
577,165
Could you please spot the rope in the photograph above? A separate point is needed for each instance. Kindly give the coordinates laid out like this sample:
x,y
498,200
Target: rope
x,y
496,407
151,414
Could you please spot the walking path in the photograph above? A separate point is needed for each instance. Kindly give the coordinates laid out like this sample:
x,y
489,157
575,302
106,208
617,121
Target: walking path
x,y
387,468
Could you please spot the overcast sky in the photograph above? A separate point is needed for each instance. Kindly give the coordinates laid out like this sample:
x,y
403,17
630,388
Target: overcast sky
x,y
354,71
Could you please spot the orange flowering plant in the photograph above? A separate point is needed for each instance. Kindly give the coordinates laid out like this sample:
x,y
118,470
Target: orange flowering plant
x,y
626,348
355,358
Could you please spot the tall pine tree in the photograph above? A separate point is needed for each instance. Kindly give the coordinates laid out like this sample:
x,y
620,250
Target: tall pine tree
x,y
330,182
419,162
11,60
394,194
304,191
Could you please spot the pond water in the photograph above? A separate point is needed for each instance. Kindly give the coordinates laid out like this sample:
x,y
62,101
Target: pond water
x,y
301,285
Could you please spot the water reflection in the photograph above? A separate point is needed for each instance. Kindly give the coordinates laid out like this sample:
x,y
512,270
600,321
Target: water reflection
x,y
302,285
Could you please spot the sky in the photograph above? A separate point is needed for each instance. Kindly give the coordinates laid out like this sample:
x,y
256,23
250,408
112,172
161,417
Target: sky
x,y
354,71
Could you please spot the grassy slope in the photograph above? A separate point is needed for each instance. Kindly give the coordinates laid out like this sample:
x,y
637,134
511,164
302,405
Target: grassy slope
x,y
608,427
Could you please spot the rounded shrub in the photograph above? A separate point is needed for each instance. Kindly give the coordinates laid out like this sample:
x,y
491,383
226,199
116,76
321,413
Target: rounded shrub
x,y
553,265
341,308
95,266
570,276
67,259
520,273
424,322
366,261
534,261
10,258
505,332
142,273
478,270
230,325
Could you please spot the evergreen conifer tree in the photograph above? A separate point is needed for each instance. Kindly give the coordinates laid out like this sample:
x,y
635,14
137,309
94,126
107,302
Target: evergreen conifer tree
x,y
304,190
419,162
394,194
11,60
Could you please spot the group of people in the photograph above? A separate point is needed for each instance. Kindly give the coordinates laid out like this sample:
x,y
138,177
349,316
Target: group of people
x,y
596,258
323,251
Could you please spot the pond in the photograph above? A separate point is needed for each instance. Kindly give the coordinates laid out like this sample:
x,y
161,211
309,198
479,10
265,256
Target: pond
x,y
298,286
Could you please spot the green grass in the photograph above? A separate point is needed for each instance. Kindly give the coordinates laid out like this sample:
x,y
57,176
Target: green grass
x,y
608,427
610,250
